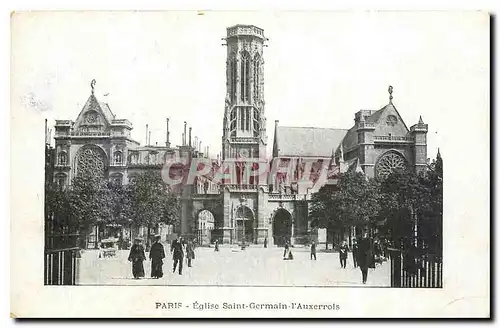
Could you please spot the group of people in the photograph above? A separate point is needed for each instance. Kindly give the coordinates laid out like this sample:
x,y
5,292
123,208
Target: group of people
x,y
179,248
365,254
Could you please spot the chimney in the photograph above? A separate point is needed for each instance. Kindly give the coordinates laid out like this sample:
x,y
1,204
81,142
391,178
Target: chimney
x,y
168,135
208,148
147,134
196,143
149,140
46,133
199,146
190,128
185,134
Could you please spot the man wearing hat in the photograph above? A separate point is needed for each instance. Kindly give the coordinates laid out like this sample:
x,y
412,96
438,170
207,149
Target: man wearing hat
x,y
137,256
178,253
156,255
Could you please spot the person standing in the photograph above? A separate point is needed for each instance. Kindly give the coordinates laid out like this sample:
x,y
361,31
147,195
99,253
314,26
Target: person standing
x,y
364,256
265,242
189,252
216,245
156,255
137,257
355,253
287,249
313,250
343,251
178,253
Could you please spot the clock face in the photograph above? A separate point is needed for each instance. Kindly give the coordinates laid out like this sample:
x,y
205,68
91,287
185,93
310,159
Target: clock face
x,y
92,118
243,153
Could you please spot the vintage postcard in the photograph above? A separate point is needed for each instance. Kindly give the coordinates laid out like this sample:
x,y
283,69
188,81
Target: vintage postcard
x,y
250,164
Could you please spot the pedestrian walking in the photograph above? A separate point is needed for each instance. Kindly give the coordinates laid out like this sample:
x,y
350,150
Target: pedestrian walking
x,y
287,249
355,253
313,250
137,257
156,255
216,245
189,252
364,256
265,242
343,251
178,253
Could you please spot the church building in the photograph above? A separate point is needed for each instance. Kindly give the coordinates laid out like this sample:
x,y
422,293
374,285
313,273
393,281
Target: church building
x,y
245,208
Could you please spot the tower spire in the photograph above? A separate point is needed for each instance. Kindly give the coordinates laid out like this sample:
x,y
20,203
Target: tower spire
x,y
168,134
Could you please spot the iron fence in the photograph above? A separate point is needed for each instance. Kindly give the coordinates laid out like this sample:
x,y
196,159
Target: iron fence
x,y
412,269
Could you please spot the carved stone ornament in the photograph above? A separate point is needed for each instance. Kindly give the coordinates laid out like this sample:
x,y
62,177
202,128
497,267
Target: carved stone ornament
x,y
389,163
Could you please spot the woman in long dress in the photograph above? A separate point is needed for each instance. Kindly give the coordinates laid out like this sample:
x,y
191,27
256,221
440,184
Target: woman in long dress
x,y
157,254
137,257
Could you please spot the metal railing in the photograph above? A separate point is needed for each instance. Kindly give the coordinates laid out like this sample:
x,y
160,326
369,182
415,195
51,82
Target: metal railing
x,y
61,266
393,138
413,270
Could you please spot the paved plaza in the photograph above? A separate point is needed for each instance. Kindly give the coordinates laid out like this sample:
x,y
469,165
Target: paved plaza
x,y
232,266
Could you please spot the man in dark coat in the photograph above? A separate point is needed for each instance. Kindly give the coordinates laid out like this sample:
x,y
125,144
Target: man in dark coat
x,y
364,256
355,253
343,251
178,253
156,255
189,252
265,242
137,257
313,250
216,245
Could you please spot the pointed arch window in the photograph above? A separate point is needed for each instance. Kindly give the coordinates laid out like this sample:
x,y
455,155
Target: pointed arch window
x,y
62,159
232,77
256,122
61,181
118,157
245,76
232,124
256,77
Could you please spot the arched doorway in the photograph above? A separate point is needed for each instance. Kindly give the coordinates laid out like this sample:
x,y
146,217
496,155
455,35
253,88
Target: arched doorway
x,y
244,229
205,225
282,227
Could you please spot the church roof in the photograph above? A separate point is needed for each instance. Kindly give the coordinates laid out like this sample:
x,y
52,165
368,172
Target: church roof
x,y
307,141
351,137
106,111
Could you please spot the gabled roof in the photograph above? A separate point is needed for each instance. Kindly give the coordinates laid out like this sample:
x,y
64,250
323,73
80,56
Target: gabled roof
x,y
106,111
94,104
307,141
351,137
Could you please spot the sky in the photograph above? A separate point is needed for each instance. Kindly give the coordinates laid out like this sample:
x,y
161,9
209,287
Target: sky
x,y
320,68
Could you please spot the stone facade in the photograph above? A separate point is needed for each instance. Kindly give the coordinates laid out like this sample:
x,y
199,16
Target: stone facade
x,y
241,208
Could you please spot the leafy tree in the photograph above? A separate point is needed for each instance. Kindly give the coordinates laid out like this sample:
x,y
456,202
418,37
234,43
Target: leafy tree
x,y
431,211
151,202
402,195
89,200
353,202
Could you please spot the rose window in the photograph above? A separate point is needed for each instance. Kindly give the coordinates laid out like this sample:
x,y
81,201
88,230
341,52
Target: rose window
x,y
91,162
389,163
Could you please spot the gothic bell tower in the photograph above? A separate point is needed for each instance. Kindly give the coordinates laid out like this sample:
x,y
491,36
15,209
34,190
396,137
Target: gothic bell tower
x,y
244,134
